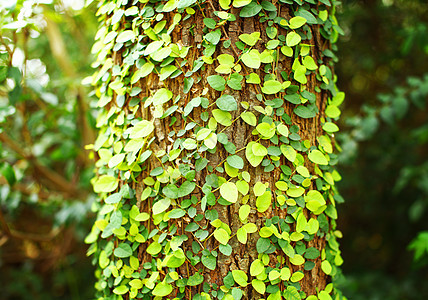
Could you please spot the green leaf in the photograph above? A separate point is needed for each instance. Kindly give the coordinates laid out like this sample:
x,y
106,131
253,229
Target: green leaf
x,y
235,161
188,83
240,277
145,70
273,274
271,87
240,3
303,171
305,112
213,37
225,4
217,82
141,129
326,267
251,59
210,23
301,223
264,201
175,260
195,279
227,103
121,289
226,59
300,74
287,51
330,127
292,39
189,144
125,36
170,5
223,69
249,118
161,96
235,81
243,187
161,205
310,18
186,188
281,185
313,225
309,63
285,273
297,260
253,78
241,235
222,117
283,130
297,276
154,248
277,296
244,211
312,253
161,54
259,188
221,236
185,3
291,293
105,183
250,10
250,39
295,192
176,213
251,157
211,141
289,152
332,111
123,250
152,47
266,130
259,149
171,191
318,157
272,44
229,191
9,173
297,22
257,267
209,261
162,289
323,295
259,286
115,160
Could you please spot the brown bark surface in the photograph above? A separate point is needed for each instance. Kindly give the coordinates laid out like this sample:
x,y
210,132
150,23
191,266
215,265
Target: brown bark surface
x,y
240,134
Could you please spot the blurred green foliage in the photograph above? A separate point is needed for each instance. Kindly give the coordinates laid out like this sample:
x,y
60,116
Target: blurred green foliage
x,y
45,119
384,159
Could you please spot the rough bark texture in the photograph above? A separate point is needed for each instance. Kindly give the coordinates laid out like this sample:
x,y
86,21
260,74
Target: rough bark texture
x,y
190,33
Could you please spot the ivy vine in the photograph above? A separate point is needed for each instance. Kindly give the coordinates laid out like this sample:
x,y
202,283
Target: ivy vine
x,y
159,233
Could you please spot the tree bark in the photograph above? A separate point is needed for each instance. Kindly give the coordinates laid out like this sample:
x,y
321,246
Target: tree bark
x,y
192,31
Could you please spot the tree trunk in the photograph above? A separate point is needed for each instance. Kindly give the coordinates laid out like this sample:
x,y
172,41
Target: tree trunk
x,y
216,174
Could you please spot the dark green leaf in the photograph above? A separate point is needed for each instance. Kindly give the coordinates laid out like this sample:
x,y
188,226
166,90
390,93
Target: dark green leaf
x,y
235,161
250,10
217,82
227,103
123,250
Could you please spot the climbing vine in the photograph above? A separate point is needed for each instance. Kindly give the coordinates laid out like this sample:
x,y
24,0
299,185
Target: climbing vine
x,y
216,174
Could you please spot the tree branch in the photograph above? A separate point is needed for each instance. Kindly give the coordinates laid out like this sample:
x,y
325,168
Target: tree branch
x,y
57,180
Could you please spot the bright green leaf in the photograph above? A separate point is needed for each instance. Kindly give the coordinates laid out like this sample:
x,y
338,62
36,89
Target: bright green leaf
x,y
318,157
229,192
